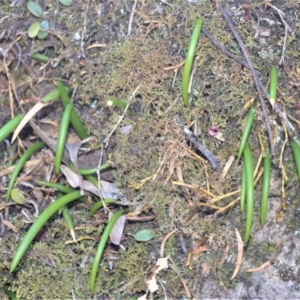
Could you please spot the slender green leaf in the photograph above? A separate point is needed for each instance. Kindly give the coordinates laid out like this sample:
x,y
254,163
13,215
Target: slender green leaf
x,y
189,61
101,246
246,131
38,224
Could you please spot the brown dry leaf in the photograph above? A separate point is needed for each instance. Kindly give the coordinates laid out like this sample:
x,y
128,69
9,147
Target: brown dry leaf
x,y
239,255
142,219
220,264
198,246
117,231
10,225
199,250
36,108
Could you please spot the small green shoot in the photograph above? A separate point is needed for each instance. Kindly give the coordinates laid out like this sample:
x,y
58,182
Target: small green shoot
x,y
39,56
273,85
189,61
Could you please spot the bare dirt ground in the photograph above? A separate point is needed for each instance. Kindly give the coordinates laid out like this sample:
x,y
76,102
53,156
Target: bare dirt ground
x,y
106,50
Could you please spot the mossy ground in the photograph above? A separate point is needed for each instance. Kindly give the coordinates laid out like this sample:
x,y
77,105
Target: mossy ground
x,y
155,144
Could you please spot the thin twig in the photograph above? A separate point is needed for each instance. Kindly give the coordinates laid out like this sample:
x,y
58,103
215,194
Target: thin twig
x,y
254,75
106,141
223,49
211,158
131,18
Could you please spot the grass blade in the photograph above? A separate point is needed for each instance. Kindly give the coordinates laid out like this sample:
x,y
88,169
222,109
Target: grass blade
x,y
249,191
265,189
39,223
99,204
296,153
246,131
101,246
243,188
189,61
62,136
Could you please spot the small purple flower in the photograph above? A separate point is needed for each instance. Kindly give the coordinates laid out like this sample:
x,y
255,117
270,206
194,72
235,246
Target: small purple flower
x,y
213,130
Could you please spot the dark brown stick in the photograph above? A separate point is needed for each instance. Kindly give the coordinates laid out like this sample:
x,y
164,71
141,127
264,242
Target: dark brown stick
x,y
254,75
193,139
